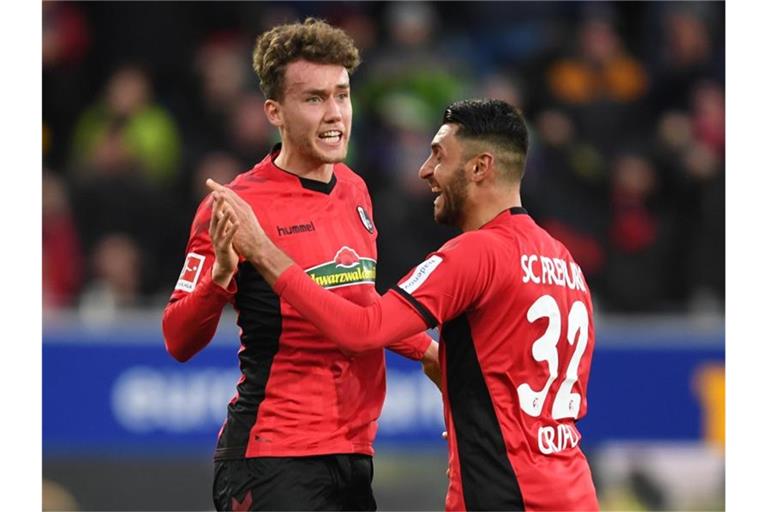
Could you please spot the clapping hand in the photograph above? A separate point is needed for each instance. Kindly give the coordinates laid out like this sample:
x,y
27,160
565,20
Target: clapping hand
x,y
248,234
222,229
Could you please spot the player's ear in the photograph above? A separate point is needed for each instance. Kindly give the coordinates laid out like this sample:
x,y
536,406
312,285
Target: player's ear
x,y
274,113
481,166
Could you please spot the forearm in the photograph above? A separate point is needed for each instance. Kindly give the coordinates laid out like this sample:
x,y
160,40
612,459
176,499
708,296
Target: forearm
x,y
268,259
190,322
413,347
352,327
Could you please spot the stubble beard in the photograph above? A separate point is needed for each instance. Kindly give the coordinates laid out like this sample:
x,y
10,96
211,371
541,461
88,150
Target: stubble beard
x,y
312,153
454,198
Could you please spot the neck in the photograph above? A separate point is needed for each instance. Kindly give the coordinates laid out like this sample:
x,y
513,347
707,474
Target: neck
x,y
482,210
295,163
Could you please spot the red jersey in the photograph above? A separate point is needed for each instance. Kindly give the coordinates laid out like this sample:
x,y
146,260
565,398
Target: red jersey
x,y
516,343
298,394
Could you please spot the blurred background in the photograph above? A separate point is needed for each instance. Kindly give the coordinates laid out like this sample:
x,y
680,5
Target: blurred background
x,y
626,107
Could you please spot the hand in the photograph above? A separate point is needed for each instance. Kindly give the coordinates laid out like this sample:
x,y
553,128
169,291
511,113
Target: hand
x,y
431,364
448,470
248,238
249,235
222,229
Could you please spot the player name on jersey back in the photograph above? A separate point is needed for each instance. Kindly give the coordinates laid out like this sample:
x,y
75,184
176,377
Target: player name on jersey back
x,y
544,270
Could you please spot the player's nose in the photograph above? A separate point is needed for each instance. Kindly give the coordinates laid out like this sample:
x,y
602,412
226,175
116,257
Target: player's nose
x,y
426,170
332,111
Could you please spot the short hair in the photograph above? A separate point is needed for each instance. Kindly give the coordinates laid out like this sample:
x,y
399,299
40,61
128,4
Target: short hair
x,y
313,40
493,122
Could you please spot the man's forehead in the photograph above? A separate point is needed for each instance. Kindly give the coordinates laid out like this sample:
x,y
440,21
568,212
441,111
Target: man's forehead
x,y
302,74
445,135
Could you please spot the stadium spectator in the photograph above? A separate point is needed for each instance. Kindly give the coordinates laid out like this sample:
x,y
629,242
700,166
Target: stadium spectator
x,y
138,130
565,186
511,448
704,164
66,42
62,254
708,116
687,55
299,435
215,163
221,68
250,134
110,194
115,280
640,266
601,83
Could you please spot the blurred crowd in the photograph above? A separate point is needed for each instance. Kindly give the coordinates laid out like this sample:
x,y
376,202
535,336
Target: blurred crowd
x,y
625,103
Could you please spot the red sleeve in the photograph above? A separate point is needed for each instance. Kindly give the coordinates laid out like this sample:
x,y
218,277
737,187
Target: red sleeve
x,y
412,347
451,280
193,312
353,327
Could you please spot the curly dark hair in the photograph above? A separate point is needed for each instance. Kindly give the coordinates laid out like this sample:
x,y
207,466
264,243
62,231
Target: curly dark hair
x,y
313,40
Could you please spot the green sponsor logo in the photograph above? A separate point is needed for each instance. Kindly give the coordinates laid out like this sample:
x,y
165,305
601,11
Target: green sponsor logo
x,y
346,269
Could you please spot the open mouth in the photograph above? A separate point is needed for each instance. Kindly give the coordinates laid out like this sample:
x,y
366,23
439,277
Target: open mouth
x,y
331,136
438,194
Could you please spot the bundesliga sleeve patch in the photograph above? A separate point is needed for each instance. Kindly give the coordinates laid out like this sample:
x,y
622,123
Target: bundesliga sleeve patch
x,y
193,266
420,274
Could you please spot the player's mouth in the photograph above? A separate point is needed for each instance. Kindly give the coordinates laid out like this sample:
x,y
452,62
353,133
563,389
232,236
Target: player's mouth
x,y
331,137
439,193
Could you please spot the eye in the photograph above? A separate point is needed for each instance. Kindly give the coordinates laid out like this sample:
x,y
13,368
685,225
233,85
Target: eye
x,y
314,99
343,95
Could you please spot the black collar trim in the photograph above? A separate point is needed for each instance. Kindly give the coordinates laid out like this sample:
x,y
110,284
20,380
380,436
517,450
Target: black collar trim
x,y
318,186
314,185
517,210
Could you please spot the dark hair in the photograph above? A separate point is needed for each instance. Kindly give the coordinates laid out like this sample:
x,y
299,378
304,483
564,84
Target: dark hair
x,y
494,122
313,40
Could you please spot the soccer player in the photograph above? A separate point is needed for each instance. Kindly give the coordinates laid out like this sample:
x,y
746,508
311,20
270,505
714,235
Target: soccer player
x,y
514,310
299,432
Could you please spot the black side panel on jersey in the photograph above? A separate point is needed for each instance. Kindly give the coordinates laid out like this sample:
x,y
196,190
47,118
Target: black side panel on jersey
x,y
260,319
486,475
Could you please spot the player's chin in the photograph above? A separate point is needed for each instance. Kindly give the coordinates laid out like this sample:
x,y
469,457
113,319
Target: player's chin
x,y
332,155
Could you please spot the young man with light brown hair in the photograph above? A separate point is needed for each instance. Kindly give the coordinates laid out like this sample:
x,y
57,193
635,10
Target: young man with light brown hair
x,y
299,432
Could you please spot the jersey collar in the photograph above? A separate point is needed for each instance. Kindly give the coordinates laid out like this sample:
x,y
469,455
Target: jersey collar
x,y
309,184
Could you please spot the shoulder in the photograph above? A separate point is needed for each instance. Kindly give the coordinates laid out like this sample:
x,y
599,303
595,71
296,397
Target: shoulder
x,y
480,250
472,242
257,186
557,247
244,182
350,178
250,179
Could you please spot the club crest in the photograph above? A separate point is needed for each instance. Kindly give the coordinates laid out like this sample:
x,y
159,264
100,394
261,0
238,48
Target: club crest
x,y
365,219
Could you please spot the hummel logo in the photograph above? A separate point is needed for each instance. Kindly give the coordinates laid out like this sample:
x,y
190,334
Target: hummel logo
x,y
296,228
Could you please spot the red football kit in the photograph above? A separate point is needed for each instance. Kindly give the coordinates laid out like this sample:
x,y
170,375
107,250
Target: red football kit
x,y
299,394
516,343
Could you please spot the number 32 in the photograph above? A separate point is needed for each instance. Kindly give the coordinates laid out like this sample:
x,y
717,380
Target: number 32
x,y
566,404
